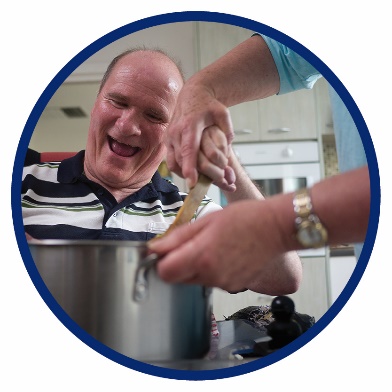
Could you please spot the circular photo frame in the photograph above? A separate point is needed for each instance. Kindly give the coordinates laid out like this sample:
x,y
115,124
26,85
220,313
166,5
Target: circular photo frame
x,y
131,28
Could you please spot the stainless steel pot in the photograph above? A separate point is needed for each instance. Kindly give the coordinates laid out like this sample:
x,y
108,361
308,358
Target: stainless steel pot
x,y
113,292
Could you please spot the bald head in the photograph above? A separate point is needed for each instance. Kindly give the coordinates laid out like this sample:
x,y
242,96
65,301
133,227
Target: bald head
x,y
146,52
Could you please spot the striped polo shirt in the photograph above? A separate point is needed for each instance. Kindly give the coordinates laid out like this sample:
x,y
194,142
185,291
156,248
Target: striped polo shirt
x,y
60,202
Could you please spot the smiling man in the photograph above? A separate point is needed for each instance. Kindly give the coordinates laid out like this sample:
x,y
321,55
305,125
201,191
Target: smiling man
x,y
113,190
129,119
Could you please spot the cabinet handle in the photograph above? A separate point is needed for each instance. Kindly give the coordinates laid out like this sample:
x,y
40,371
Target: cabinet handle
x,y
243,131
279,130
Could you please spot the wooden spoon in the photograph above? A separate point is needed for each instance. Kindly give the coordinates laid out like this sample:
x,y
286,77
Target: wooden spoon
x,y
191,203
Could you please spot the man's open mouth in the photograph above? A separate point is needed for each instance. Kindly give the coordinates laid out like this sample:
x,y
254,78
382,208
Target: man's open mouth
x,y
124,150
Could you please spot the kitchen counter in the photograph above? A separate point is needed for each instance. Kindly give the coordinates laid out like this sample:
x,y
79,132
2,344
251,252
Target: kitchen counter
x,y
202,364
232,347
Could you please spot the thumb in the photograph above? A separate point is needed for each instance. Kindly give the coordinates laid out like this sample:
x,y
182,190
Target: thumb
x,y
171,240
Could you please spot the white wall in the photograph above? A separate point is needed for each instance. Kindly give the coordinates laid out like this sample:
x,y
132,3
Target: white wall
x,y
56,132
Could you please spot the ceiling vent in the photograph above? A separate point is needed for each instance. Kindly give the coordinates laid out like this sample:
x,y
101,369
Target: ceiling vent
x,y
74,112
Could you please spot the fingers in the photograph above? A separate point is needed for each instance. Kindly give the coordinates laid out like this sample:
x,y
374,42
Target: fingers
x,y
189,123
230,176
213,159
171,161
212,171
171,240
185,154
211,152
224,178
190,263
192,254
173,267
215,147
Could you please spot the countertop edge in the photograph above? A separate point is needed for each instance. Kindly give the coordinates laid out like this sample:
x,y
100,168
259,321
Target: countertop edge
x,y
341,251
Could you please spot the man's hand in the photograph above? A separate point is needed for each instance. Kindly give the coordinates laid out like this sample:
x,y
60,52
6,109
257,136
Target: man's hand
x,y
213,159
197,109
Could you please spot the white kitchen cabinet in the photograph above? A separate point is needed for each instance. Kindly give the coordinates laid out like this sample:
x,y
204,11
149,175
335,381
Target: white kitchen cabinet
x,y
340,270
290,116
324,110
311,298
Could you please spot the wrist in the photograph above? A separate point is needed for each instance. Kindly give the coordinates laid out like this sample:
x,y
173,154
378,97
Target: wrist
x,y
310,232
281,206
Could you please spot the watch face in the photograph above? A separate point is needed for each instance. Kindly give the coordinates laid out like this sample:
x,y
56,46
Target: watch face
x,y
309,236
312,235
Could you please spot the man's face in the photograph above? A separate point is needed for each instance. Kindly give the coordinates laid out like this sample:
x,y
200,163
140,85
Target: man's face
x,y
129,118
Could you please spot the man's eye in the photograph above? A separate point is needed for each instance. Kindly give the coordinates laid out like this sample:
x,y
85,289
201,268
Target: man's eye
x,y
154,117
117,104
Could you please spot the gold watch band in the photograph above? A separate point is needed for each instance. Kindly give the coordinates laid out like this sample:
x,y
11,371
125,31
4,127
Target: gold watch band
x,y
302,203
310,231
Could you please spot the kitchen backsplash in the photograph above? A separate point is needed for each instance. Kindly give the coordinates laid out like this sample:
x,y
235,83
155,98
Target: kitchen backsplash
x,y
330,156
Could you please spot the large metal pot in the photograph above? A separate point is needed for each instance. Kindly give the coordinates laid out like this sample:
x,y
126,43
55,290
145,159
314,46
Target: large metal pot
x,y
113,292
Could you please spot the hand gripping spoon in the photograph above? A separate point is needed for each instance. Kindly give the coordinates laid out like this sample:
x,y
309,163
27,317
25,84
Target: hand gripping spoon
x,y
185,214
191,203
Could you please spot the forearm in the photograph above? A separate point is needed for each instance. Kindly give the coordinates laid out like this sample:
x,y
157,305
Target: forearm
x,y
245,73
345,211
282,275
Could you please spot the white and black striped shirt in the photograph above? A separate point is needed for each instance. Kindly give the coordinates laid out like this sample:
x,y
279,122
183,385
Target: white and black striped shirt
x,y
59,202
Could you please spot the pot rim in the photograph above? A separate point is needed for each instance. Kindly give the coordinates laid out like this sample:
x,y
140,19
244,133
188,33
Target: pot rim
x,y
92,243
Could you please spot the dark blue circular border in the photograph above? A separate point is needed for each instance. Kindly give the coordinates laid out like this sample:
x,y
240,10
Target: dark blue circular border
x,y
188,17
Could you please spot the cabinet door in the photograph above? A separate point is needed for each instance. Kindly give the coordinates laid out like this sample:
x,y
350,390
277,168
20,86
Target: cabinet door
x,y
340,269
285,117
215,40
312,296
290,116
310,299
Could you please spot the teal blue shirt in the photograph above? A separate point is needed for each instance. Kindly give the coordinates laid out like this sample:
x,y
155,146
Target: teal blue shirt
x,y
296,73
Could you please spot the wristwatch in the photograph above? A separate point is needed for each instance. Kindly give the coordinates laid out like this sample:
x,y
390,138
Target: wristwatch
x,y
311,233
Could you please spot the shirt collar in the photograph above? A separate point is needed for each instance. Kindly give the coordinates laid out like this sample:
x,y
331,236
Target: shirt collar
x,y
71,169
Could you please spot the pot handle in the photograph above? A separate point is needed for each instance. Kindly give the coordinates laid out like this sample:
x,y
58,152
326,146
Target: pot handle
x,y
140,291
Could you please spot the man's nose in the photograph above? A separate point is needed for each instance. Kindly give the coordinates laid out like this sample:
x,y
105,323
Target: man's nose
x,y
129,122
